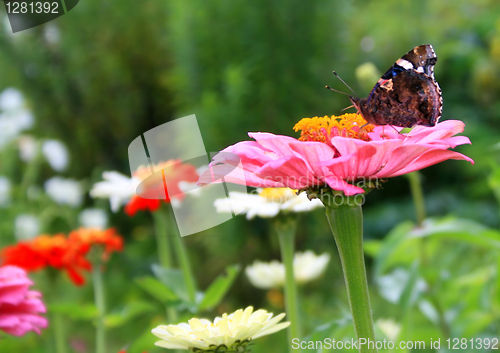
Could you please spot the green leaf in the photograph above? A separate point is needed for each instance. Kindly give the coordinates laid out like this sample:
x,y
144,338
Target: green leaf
x,y
130,311
372,247
173,279
475,322
476,278
157,289
387,251
218,289
459,229
75,311
401,246
412,289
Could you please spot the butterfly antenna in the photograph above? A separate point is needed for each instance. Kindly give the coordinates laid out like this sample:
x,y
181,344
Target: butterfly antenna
x,y
334,90
345,84
351,106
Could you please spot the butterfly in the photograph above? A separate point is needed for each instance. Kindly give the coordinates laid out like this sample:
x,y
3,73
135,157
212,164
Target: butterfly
x,y
407,94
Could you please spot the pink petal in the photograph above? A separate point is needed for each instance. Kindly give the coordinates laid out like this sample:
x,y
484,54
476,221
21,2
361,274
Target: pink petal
x,y
383,133
13,284
19,308
248,154
12,294
453,142
428,159
359,158
7,321
339,184
289,171
348,166
313,153
276,143
442,130
229,174
400,158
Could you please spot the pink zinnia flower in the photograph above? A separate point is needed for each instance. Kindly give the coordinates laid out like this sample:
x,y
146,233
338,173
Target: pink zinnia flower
x,y
19,307
334,151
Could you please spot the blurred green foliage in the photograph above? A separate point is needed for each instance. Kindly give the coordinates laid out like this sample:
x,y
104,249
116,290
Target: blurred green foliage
x,y
120,68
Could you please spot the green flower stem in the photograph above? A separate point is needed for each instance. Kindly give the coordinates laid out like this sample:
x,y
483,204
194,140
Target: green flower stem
x,y
285,228
57,319
162,243
346,222
418,196
183,258
59,334
164,254
101,308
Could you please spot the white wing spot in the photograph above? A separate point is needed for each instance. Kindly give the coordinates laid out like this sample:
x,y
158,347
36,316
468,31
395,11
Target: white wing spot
x,y
405,64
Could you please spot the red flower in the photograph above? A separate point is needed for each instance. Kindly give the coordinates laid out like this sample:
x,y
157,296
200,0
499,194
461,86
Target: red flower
x,y
137,203
45,251
83,239
160,183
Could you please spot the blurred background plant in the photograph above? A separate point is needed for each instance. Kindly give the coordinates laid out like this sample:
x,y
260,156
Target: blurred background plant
x,y
75,92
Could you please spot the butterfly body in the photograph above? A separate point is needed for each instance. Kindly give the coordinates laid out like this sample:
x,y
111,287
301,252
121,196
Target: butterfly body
x,y
407,94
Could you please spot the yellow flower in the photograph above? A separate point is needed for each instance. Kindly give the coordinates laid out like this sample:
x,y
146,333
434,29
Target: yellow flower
x,y
322,129
229,333
268,203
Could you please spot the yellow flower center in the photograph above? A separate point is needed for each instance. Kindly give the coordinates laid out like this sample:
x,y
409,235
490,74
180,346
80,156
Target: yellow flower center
x,y
323,129
279,195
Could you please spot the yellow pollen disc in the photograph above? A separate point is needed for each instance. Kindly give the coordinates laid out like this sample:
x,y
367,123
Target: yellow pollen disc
x,y
323,129
278,194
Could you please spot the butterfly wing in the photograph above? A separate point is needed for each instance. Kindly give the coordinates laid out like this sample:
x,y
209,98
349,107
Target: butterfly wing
x,y
410,98
407,94
421,59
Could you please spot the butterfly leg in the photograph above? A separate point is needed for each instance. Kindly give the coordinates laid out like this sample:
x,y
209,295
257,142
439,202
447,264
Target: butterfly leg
x,y
383,133
395,129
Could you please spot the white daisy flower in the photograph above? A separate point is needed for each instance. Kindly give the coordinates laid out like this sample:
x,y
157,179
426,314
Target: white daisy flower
x,y
267,203
13,123
266,275
389,327
93,218
11,99
116,187
26,227
56,154
64,191
28,147
307,267
229,333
